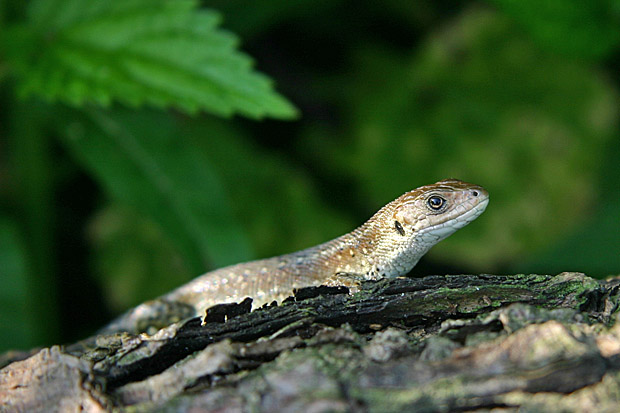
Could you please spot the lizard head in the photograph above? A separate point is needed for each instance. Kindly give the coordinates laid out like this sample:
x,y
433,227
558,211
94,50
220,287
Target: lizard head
x,y
419,219
436,211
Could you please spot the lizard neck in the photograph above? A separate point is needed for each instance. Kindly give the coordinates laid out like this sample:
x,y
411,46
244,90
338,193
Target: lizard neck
x,y
386,255
370,251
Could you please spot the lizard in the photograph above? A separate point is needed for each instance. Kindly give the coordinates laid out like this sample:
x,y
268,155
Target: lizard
x,y
389,244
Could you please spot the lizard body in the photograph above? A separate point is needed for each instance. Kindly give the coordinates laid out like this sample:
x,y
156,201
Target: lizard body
x,y
389,244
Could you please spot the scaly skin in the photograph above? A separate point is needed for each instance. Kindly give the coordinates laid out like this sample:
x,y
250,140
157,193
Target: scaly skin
x,y
389,244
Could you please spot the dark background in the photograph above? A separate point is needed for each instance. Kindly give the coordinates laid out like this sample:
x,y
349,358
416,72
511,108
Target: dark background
x,y
102,207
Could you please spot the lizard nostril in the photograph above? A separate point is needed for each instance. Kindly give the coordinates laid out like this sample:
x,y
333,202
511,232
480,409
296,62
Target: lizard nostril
x,y
474,193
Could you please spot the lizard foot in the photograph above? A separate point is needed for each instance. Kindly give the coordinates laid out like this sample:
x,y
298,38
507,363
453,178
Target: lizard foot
x,y
350,280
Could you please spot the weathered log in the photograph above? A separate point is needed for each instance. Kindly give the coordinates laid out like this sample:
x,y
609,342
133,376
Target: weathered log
x,y
439,343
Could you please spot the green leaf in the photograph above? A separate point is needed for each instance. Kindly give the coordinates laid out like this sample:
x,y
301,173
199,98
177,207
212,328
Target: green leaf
x,y
16,321
158,52
141,161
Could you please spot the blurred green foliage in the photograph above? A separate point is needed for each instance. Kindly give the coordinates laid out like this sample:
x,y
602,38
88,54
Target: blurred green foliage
x,y
478,101
16,318
123,173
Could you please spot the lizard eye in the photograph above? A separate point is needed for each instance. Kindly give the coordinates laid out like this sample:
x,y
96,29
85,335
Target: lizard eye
x,y
436,202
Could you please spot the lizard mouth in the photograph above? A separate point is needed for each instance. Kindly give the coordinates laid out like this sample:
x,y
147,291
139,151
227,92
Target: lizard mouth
x,y
473,213
445,228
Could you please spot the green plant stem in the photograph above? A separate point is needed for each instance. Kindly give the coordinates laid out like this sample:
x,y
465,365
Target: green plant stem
x,y
32,166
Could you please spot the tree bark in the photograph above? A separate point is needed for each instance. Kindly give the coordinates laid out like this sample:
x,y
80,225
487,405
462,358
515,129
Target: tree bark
x,y
439,343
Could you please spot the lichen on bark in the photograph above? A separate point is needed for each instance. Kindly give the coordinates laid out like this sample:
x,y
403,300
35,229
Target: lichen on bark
x,y
438,343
